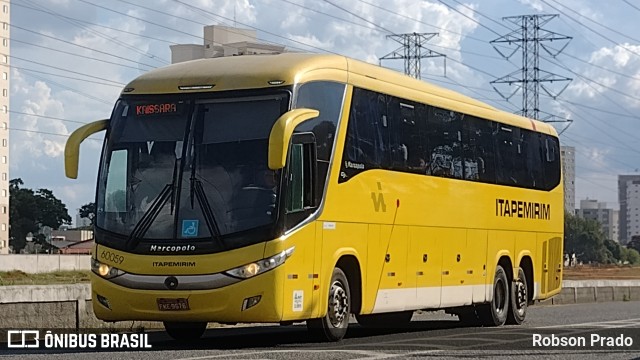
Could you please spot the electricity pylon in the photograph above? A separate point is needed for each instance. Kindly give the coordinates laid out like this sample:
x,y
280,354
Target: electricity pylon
x,y
412,50
530,37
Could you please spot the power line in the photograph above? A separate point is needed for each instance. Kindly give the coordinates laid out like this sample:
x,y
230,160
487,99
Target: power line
x,y
199,23
74,54
604,132
78,45
194,8
91,23
140,19
590,29
99,34
62,69
329,15
48,117
633,6
84,94
597,66
359,17
584,78
467,16
47,133
483,15
599,24
62,76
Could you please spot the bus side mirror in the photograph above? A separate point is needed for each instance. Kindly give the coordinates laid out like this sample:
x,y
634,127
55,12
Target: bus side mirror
x,y
72,148
281,135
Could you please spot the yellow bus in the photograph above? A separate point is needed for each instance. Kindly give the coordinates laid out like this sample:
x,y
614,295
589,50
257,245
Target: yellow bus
x,y
304,187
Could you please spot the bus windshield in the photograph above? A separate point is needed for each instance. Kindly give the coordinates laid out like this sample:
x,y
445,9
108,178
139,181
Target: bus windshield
x,y
176,168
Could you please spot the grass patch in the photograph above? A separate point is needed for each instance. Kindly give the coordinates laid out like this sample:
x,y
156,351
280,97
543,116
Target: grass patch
x,y
611,272
17,277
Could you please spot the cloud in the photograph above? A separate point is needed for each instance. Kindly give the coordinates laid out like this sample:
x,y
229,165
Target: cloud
x,y
534,4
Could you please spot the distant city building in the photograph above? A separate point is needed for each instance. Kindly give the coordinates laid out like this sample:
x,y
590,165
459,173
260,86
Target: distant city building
x,y
598,211
71,235
82,221
73,247
629,199
4,129
223,41
568,158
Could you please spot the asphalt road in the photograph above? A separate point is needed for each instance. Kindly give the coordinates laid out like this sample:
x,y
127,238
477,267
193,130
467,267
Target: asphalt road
x,y
430,335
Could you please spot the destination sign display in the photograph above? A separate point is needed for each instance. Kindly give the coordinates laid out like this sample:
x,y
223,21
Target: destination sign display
x,y
158,109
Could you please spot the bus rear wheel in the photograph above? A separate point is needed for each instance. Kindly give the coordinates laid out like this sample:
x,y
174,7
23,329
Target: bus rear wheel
x,y
385,320
185,331
519,299
333,326
495,313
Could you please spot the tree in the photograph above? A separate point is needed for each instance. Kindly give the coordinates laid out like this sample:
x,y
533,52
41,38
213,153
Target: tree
x,y
89,211
29,211
634,243
585,238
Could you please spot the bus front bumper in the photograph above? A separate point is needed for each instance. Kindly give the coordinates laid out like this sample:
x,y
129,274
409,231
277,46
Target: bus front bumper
x,y
257,299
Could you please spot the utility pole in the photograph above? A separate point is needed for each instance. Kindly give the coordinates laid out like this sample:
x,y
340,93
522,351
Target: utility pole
x,y
530,37
412,50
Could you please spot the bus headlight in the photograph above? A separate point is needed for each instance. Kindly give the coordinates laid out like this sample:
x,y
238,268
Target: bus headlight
x,y
104,270
259,267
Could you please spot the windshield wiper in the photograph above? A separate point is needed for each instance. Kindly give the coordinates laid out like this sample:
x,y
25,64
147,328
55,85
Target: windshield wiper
x,y
143,225
145,222
196,188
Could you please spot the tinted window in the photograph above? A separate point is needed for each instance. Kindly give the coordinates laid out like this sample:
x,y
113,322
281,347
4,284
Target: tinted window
x,y
367,145
444,134
397,134
327,98
478,150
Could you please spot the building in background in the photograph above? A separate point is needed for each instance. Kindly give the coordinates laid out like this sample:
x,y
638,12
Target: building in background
x,y
4,128
82,222
223,41
598,211
568,158
629,199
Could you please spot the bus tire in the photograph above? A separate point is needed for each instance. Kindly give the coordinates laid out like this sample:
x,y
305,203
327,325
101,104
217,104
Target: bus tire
x,y
385,320
495,312
333,326
519,299
185,331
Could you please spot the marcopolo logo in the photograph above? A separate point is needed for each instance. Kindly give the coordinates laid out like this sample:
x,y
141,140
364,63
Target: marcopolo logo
x,y
172,248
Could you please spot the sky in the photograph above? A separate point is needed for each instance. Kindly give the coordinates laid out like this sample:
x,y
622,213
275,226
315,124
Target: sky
x,y
71,58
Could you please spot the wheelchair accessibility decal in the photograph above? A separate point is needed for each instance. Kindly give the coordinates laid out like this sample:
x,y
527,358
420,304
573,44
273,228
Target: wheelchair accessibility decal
x,y
189,228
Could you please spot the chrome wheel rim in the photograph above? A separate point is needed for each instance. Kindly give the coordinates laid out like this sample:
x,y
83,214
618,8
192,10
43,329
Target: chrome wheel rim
x,y
338,304
521,296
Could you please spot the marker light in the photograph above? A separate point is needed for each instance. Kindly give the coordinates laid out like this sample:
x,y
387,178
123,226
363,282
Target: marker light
x,y
195,87
261,266
275,82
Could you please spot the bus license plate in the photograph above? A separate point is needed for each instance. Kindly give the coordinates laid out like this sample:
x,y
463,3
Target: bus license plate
x,y
179,304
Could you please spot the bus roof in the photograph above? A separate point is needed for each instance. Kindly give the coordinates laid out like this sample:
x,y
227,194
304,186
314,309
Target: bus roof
x,y
264,71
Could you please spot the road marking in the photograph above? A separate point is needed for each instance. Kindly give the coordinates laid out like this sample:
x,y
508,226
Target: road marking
x,y
605,324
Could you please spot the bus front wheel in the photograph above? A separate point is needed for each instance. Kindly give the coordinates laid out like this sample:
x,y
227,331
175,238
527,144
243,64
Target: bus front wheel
x,y
495,313
185,331
333,326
